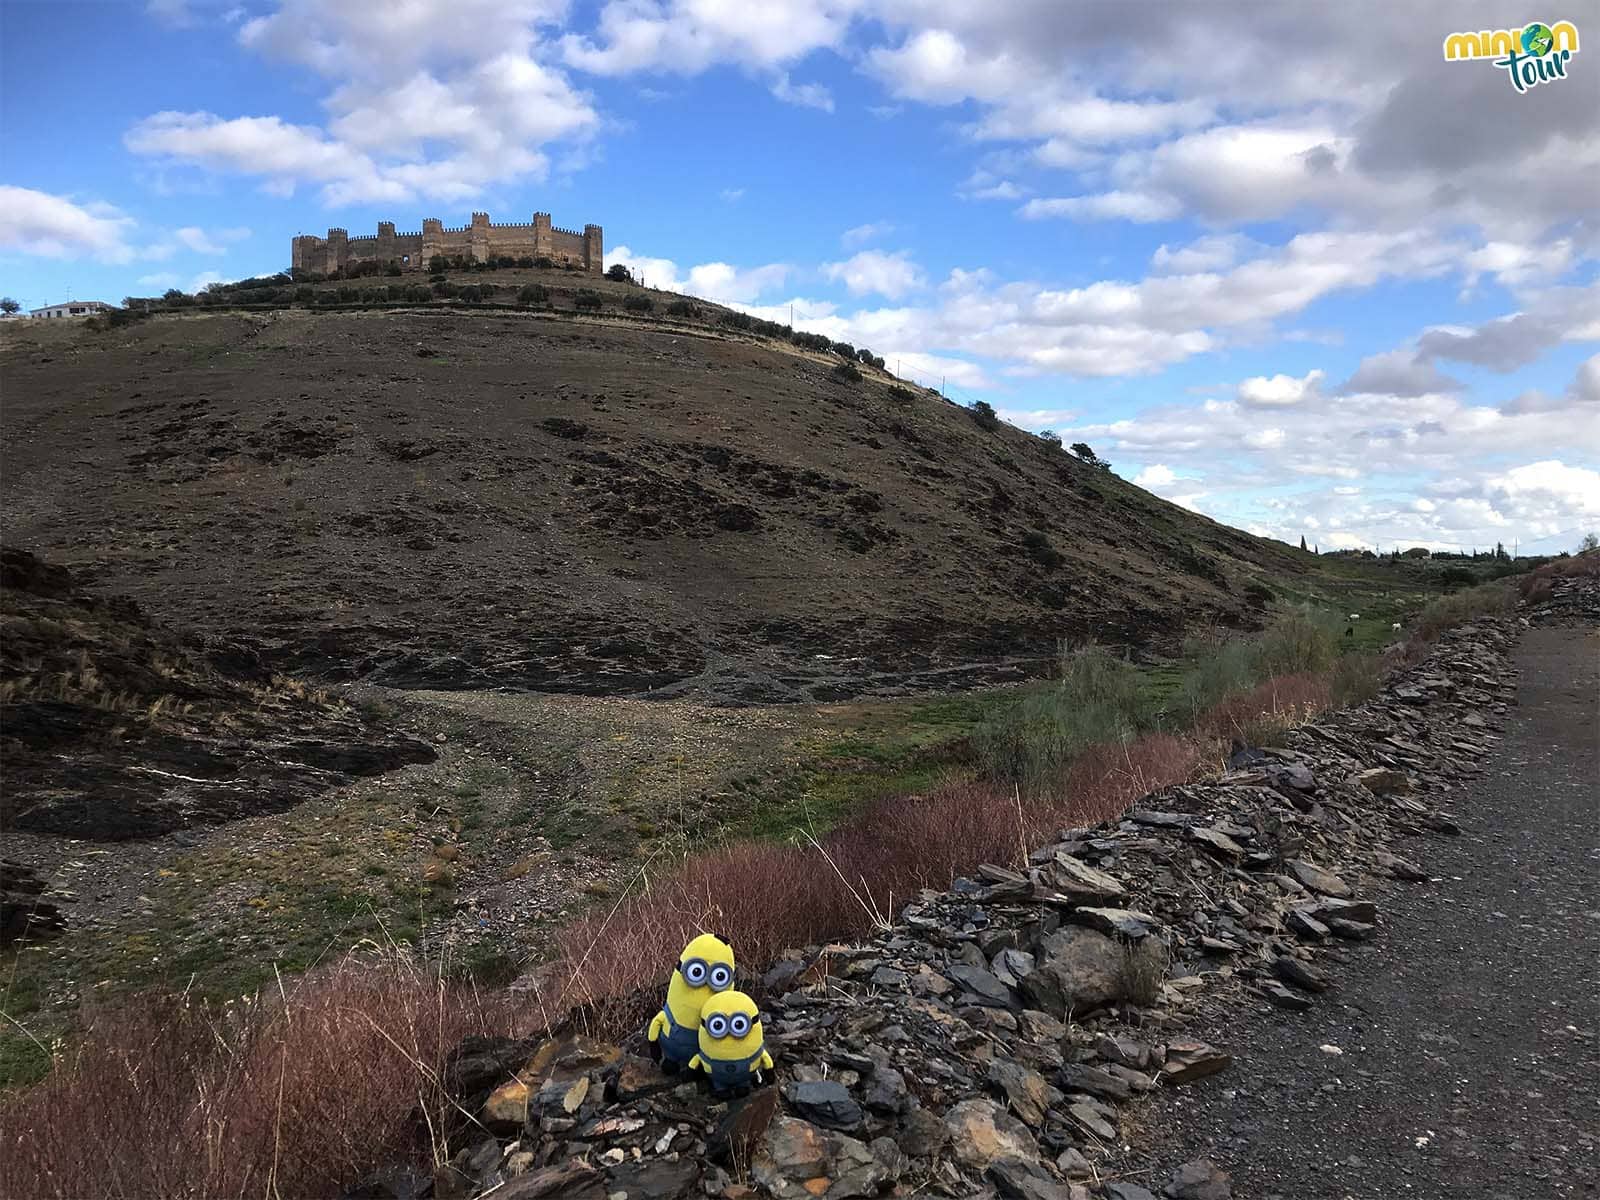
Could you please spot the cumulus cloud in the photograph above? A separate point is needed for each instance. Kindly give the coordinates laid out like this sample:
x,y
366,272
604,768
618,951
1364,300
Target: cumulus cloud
x,y
435,100
1279,391
891,275
49,226
1401,373
719,281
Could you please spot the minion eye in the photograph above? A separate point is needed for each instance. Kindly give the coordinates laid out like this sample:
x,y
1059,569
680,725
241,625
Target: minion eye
x,y
721,977
717,1026
740,1025
695,972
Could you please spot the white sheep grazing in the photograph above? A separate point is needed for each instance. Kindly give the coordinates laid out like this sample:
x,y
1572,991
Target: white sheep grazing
x,y
1355,616
1395,627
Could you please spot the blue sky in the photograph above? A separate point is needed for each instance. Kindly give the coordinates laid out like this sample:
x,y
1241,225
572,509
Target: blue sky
x,y
1299,277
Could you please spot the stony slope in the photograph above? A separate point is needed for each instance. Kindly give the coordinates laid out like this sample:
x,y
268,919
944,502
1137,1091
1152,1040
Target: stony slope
x,y
111,728
991,1043
496,499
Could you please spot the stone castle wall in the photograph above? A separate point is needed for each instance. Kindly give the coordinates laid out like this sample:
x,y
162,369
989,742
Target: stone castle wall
x,y
480,241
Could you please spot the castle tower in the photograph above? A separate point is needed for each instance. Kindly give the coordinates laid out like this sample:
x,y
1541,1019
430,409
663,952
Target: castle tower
x,y
338,249
478,237
594,252
543,245
432,241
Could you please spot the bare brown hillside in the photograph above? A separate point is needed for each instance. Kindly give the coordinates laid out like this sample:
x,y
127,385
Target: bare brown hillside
x,y
539,501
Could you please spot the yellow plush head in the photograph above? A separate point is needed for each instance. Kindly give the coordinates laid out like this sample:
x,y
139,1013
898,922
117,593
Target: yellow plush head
x,y
730,1027
704,968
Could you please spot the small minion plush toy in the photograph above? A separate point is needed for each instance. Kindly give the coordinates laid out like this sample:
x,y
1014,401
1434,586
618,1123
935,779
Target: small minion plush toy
x,y
733,1047
704,968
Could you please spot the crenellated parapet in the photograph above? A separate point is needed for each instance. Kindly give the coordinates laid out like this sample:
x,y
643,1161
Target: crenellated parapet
x,y
481,240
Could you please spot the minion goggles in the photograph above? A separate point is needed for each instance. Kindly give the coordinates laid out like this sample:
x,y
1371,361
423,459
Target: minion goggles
x,y
719,1026
697,972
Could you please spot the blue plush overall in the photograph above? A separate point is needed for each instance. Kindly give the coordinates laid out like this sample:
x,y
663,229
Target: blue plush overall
x,y
679,1043
730,1074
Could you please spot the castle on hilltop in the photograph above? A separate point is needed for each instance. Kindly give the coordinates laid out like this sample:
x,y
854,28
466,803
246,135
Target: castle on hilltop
x,y
478,242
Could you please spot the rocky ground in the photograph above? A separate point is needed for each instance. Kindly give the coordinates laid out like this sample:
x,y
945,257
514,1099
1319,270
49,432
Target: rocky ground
x,y
113,729
1030,1033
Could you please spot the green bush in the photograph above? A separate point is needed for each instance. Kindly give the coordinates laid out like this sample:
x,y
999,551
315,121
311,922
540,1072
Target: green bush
x,y
533,293
618,273
846,373
638,304
983,413
1037,543
438,264
682,308
1466,605
1095,699
588,299
1298,642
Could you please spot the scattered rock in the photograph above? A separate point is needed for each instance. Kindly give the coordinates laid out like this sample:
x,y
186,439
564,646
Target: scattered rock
x,y
1188,1061
826,1102
980,1131
1079,970
1201,1179
1314,877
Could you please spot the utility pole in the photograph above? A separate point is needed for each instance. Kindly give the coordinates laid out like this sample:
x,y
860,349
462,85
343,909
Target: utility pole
x,y
791,314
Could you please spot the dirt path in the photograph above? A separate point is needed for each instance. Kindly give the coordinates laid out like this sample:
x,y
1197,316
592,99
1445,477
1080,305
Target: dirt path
x,y
1470,1032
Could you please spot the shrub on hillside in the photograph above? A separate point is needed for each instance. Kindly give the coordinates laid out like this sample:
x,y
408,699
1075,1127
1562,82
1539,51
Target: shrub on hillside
x,y
618,273
587,299
682,308
533,293
1037,543
1096,698
844,350
846,373
543,263
1448,611
638,304
983,413
438,264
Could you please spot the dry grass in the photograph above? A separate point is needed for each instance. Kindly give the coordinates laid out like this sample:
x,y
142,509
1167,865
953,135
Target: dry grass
x,y
1143,970
296,1093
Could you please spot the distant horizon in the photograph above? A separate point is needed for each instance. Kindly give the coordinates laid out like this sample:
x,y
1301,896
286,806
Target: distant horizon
x,y
1293,277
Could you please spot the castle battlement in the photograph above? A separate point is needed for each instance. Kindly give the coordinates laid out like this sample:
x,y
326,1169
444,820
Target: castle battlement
x,y
480,241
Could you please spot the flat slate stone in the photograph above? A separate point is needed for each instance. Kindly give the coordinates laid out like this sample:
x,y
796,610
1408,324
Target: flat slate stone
x,y
982,984
1318,880
1122,922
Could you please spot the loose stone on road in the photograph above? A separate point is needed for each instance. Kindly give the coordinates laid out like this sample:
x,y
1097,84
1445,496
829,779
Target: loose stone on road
x,y
1459,1054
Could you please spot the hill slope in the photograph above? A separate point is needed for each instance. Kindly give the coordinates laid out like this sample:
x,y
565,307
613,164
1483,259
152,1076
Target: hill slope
x,y
495,499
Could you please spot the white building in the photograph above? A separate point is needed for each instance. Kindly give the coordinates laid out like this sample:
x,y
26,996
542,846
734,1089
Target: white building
x,y
72,308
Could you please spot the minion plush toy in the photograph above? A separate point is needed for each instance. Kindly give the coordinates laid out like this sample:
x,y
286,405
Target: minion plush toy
x,y
704,968
733,1047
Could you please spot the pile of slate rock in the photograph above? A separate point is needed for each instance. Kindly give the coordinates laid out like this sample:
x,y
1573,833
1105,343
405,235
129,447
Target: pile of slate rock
x,y
991,1043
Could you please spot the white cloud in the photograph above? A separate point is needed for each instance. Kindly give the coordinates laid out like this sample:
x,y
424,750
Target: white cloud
x,y
161,279
871,231
717,281
432,101
48,226
891,275
687,36
1106,206
805,95
732,195
1279,391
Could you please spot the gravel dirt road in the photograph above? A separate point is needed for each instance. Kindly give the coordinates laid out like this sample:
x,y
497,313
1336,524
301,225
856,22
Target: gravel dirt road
x,y
1469,1033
